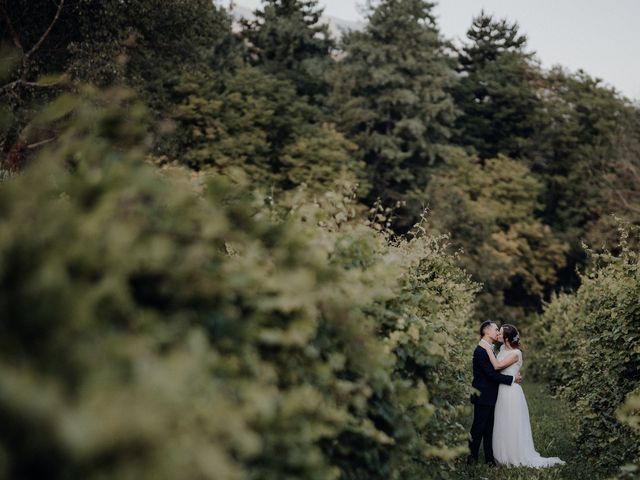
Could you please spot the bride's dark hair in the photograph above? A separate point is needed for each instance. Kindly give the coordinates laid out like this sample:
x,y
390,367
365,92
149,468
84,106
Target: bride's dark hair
x,y
510,333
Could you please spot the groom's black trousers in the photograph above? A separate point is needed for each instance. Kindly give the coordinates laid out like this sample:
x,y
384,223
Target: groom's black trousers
x,y
482,429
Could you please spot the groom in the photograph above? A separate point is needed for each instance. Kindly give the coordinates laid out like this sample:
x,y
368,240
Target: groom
x,y
486,380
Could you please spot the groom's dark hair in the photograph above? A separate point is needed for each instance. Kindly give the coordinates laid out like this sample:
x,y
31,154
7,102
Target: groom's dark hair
x,y
484,325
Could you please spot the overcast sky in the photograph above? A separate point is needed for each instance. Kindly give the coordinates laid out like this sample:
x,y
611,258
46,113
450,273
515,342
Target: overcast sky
x,y
599,36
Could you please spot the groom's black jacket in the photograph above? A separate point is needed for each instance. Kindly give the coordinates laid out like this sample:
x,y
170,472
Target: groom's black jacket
x,y
486,378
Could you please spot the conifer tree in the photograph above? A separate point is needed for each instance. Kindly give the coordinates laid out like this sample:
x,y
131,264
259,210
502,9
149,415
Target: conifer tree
x,y
286,39
496,93
393,99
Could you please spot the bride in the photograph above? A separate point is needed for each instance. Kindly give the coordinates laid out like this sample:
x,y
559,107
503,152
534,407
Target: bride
x,y
512,439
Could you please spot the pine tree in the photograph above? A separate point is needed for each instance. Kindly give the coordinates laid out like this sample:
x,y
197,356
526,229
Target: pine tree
x,y
392,99
497,91
287,40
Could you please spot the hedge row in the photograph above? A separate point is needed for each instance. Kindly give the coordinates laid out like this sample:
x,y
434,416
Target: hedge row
x,y
160,324
589,349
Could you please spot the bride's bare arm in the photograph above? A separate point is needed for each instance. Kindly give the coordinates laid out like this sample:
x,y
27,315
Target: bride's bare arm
x,y
504,363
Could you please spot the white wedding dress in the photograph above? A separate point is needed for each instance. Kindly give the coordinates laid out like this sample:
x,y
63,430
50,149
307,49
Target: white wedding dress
x,y
512,439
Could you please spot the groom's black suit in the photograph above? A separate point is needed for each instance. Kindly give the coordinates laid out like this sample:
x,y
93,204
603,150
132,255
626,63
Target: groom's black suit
x,y
486,379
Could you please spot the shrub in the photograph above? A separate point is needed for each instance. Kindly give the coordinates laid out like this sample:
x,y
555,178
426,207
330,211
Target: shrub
x,y
163,324
589,348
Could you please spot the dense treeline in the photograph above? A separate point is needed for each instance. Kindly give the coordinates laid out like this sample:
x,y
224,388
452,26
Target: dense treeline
x,y
260,224
413,120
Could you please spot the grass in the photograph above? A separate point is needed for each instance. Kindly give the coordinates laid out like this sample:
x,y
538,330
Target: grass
x,y
553,427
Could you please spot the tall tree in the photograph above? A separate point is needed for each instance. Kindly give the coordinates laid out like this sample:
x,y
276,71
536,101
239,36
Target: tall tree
x,y
497,90
393,102
286,39
145,44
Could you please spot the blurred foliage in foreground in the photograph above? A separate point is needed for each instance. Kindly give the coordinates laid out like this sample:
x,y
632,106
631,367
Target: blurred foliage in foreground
x,y
156,323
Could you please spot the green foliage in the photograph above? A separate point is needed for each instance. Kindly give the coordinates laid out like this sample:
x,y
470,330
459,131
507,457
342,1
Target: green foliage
x,y
163,324
145,44
322,160
287,40
588,152
248,124
109,41
578,138
179,322
159,39
234,120
489,208
390,91
501,111
589,349
392,101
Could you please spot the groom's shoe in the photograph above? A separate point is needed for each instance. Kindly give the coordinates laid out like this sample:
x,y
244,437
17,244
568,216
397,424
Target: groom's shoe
x,y
491,463
471,460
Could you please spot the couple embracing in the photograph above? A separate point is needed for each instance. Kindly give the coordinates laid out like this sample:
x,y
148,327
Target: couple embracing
x,y
501,415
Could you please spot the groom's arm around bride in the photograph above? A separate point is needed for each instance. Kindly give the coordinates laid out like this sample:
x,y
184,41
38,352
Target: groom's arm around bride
x,y
486,380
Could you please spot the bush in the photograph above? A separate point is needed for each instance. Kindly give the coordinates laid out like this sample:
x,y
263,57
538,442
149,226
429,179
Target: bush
x,y
163,324
589,348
